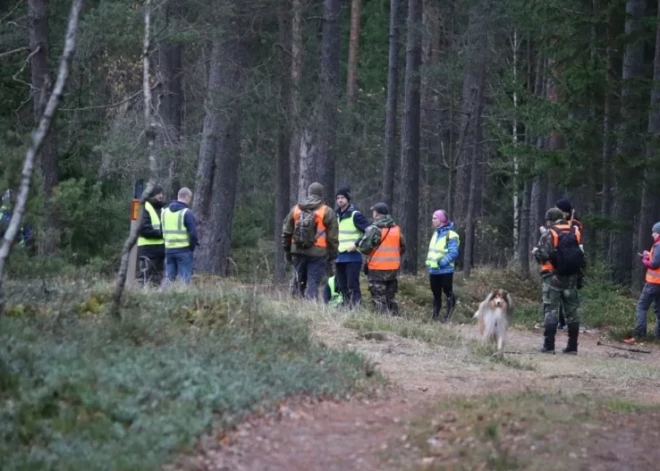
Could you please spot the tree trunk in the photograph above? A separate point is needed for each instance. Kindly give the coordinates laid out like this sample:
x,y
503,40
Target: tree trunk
x,y
606,164
555,141
524,241
353,46
411,136
516,163
649,188
318,143
294,104
627,178
219,159
171,104
39,136
41,83
391,107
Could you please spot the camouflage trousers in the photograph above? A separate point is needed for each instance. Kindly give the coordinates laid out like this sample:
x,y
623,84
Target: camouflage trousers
x,y
382,295
557,297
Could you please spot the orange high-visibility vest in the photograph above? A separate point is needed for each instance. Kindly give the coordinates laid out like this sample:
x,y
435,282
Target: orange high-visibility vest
x,y
388,254
319,216
653,274
554,231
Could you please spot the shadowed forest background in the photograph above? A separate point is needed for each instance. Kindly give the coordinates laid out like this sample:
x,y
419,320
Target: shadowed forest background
x,y
489,109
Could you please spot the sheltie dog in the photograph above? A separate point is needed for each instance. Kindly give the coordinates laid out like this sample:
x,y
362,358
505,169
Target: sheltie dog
x,y
493,315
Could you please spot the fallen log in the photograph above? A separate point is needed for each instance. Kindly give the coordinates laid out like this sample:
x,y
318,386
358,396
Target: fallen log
x,y
633,350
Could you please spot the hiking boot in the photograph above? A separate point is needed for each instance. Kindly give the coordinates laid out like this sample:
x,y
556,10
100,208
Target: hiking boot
x,y
451,305
436,311
549,339
573,333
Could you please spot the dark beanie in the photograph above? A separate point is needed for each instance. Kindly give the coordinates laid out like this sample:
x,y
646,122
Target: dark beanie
x,y
315,189
344,191
156,190
565,205
380,208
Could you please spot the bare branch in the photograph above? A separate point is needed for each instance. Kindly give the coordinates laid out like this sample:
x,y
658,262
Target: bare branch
x,y
13,51
38,136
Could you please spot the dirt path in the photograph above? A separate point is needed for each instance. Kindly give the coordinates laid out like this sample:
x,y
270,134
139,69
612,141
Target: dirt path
x,y
357,434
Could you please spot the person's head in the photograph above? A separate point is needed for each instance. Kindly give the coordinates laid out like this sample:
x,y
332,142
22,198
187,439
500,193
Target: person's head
x,y
185,195
315,189
379,210
157,193
343,197
553,214
656,230
440,218
565,205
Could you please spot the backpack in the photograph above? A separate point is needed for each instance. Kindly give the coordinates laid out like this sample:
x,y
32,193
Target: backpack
x,y
568,257
304,231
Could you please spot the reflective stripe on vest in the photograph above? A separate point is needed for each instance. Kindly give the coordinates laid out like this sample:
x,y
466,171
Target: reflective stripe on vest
x,y
319,215
653,275
547,266
335,298
174,231
155,221
438,248
388,254
348,233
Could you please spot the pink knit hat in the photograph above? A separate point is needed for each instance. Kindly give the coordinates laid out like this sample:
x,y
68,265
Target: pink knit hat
x,y
441,215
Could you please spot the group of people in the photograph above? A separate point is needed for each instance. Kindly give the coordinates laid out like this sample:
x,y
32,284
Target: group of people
x,y
317,239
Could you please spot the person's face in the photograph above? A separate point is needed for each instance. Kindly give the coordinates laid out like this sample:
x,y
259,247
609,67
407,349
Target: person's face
x,y
342,202
436,222
374,215
159,197
655,235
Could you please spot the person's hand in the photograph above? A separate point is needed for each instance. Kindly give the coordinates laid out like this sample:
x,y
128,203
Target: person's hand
x,y
352,247
646,254
542,229
534,250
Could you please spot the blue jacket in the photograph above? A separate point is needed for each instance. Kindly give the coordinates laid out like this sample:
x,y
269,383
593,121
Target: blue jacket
x,y
361,223
189,223
452,252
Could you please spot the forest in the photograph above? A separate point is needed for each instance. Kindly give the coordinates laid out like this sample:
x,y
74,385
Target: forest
x,y
489,109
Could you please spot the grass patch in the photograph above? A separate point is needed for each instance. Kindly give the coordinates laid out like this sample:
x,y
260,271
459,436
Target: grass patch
x,y
79,391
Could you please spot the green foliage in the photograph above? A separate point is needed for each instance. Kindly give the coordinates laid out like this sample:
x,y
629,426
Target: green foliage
x,y
79,391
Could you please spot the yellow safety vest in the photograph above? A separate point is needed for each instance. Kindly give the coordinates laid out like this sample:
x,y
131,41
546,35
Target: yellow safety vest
x,y
348,233
438,248
155,221
174,231
335,298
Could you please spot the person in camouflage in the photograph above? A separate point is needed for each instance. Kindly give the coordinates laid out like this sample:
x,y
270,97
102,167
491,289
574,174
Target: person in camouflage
x,y
384,245
558,291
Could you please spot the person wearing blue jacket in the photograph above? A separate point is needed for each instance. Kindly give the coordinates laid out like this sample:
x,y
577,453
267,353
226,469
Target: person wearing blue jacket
x,y
180,235
440,261
348,265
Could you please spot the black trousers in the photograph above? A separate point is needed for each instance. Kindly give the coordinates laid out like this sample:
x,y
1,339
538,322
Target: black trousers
x,y
347,279
155,266
439,284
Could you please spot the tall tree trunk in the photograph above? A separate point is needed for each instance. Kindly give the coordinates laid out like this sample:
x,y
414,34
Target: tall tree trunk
x,y
41,83
606,160
516,163
391,106
294,104
411,136
353,47
317,151
649,188
171,102
627,178
219,159
524,241
555,141
282,175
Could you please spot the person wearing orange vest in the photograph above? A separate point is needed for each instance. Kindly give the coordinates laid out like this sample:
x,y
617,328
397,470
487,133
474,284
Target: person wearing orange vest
x,y
384,245
560,256
310,262
651,292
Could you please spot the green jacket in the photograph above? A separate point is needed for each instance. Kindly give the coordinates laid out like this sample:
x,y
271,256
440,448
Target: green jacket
x,y
544,253
331,228
370,241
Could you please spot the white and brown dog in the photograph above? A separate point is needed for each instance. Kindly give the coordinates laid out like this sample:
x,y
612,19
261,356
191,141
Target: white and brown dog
x,y
493,314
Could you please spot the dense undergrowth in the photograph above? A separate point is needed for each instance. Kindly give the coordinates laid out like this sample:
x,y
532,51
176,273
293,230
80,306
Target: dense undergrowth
x,y
79,391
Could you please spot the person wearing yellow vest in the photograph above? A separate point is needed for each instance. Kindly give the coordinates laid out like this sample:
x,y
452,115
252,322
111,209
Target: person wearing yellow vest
x,y
310,254
331,295
384,245
150,238
352,225
651,292
440,262
180,234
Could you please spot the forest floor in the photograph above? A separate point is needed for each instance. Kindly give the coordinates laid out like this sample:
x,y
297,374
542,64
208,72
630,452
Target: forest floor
x,y
452,404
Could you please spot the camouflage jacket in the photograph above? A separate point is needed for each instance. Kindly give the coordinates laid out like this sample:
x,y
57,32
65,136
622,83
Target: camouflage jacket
x,y
370,241
544,253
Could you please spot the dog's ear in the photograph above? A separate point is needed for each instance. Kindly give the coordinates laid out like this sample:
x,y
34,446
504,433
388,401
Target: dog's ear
x,y
509,300
491,295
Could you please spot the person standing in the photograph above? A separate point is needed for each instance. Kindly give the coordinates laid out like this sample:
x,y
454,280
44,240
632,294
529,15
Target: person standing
x,y
384,245
352,225
310,241
440,261
180,235
151,245
560,256
651,292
